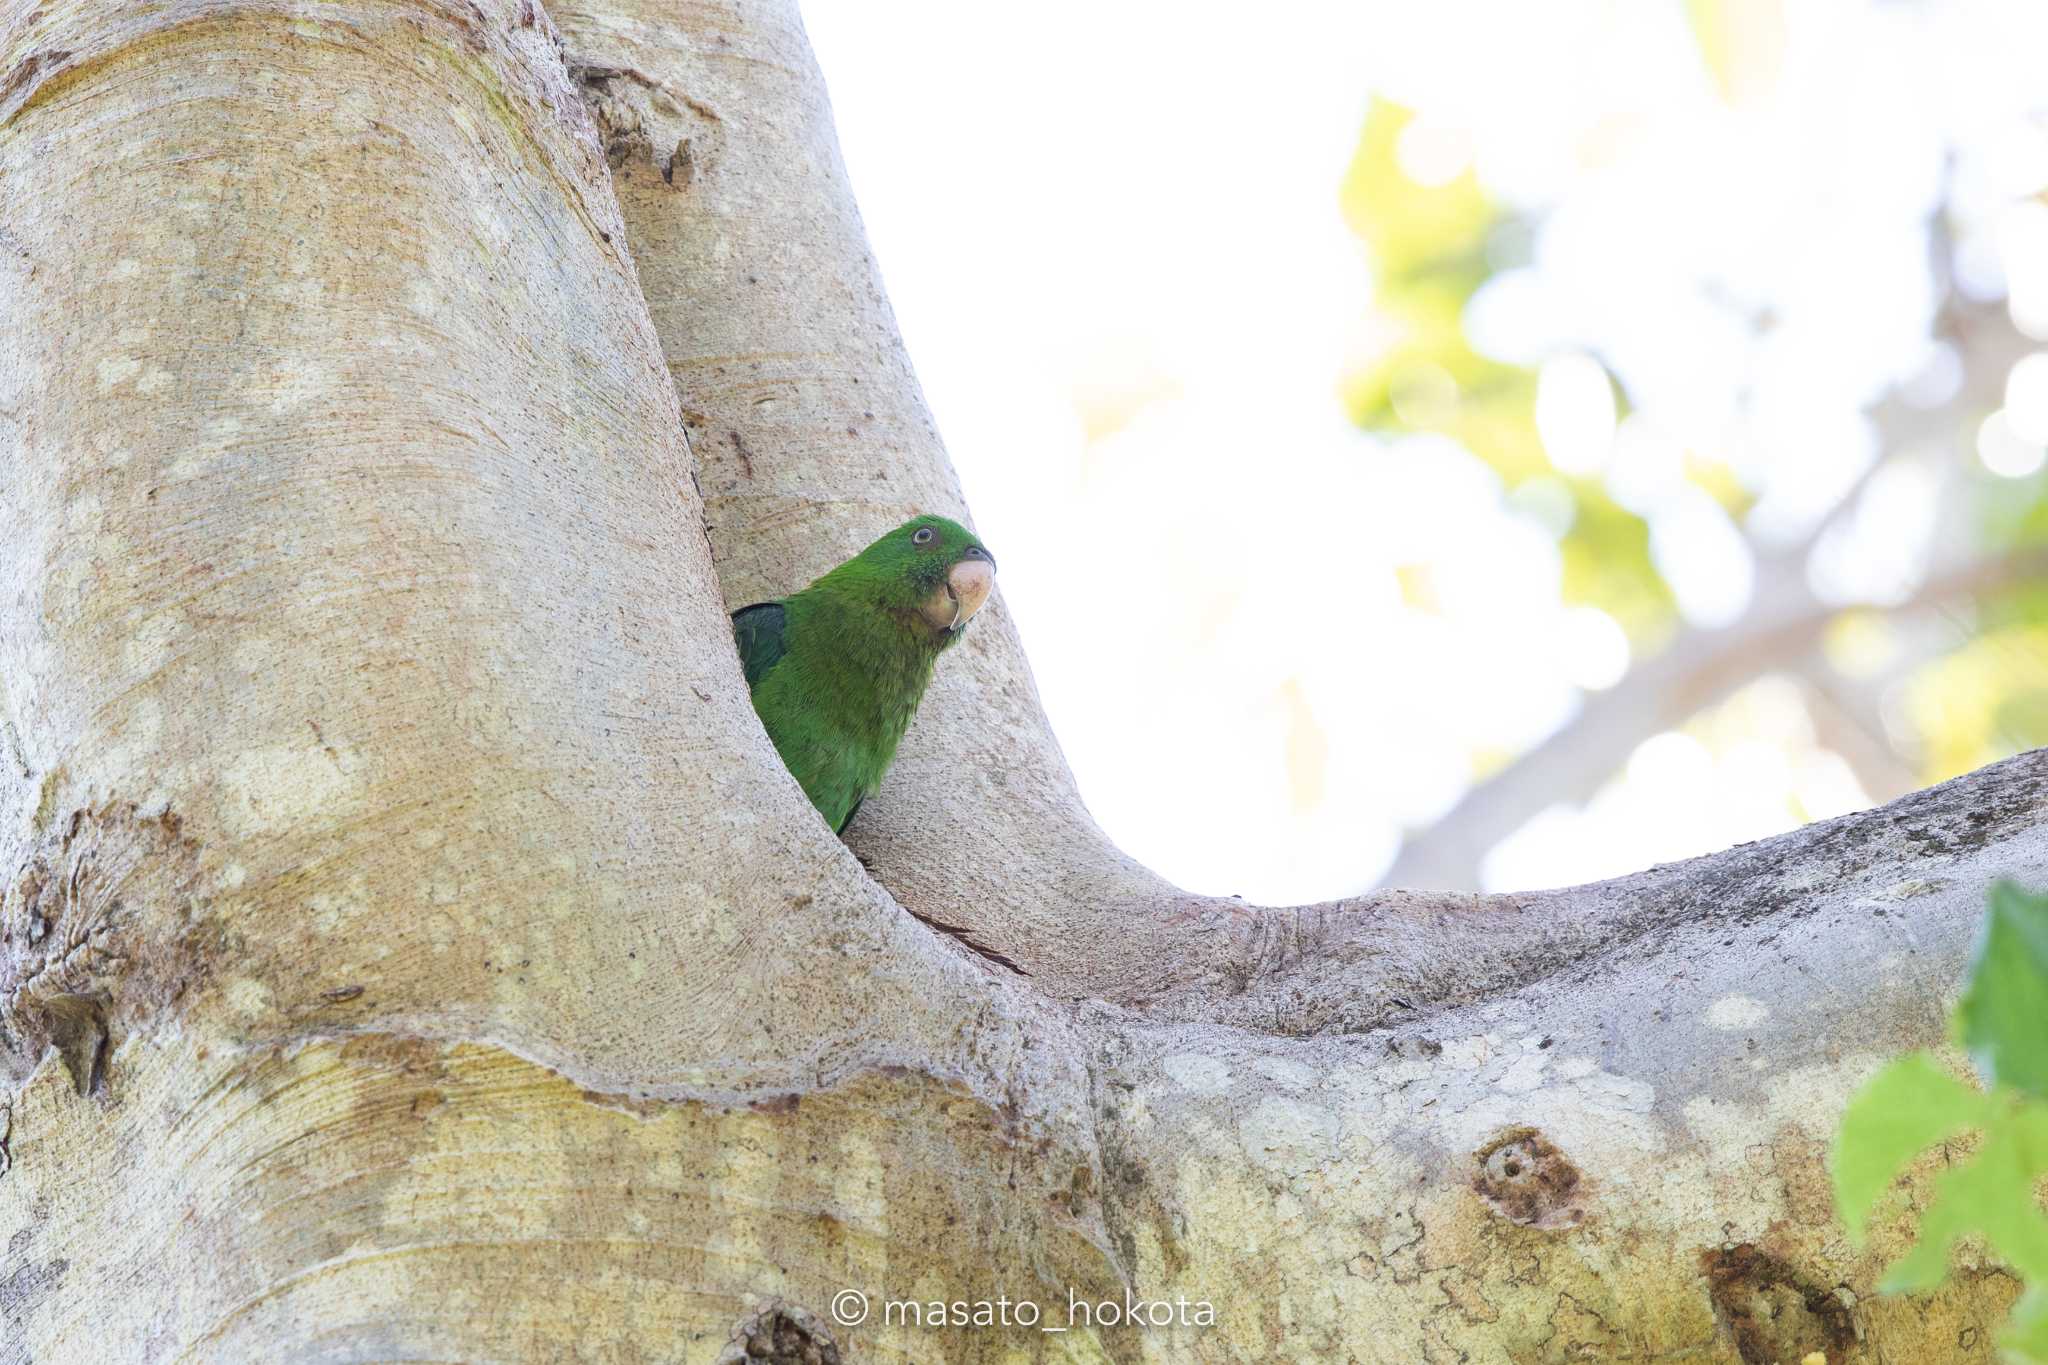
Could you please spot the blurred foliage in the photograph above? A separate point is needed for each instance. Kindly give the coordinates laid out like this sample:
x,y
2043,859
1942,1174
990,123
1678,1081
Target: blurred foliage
x,y
1986,700
1433,246
1971,689
1742,43
1914,1104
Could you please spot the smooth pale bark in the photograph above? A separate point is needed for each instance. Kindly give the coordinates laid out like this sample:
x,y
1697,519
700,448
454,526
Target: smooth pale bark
x,y
386,789
412,947
812,437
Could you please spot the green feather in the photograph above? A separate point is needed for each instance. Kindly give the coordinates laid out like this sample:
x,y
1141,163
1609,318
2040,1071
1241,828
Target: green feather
x,y
758,632
837,670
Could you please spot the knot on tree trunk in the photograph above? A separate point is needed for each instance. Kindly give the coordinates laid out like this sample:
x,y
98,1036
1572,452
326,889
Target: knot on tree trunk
x,y
98,930
1525,1178
781,1334
640,118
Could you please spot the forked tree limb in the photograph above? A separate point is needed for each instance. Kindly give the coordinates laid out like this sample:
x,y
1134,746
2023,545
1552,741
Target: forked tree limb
x,y
454,972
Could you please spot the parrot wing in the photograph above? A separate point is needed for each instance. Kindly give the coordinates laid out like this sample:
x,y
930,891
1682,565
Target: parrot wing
x,y
757,630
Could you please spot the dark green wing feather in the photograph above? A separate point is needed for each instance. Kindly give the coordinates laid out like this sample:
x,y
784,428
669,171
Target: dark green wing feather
x,y
757,630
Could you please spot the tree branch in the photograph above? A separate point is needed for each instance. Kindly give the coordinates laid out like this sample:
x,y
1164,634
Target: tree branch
x,y
1697,670
1700,667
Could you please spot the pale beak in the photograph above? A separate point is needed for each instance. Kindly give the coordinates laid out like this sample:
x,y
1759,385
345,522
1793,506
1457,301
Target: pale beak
x,y
962,594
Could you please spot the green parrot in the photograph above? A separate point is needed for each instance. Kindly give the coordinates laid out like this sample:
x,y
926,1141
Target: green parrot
x,y
837,670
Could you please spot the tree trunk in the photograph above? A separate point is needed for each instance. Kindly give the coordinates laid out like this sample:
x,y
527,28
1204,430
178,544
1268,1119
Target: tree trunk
x,y
412,947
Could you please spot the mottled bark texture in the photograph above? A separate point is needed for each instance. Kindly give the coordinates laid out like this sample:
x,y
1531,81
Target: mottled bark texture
x,y
411,947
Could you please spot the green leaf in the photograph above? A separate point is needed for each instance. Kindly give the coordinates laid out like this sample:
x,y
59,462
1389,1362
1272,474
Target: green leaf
x,y
2003,1015
1899,1113
2026,1329
1993,1193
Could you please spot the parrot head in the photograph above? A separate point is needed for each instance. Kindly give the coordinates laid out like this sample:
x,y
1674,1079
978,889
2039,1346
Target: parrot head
x,y
929,570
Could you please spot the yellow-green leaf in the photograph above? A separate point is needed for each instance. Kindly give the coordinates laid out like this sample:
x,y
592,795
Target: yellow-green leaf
x,y
2003,1015
1899,1113
1991,1194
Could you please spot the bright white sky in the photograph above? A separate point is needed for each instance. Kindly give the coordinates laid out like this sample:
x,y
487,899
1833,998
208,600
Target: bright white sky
x,y
1080,200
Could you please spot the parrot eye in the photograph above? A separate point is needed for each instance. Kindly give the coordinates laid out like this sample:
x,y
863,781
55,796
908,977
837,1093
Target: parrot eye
x,y
923,535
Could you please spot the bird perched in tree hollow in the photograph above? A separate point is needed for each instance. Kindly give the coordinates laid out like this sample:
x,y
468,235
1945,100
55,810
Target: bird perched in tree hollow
x,y
837,669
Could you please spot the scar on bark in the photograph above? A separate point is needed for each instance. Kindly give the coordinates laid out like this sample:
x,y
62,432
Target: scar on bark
x,y
1525,1178
621,100
964,937
99,931
781,1334
78,1029
14,746
20,82
1772,1311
